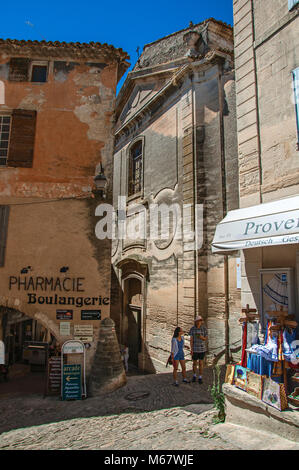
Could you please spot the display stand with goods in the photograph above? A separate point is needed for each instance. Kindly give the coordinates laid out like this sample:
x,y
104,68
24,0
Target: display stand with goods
x,y
262,371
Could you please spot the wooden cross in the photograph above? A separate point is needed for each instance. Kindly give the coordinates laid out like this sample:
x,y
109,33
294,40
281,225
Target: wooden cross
x,y
250,314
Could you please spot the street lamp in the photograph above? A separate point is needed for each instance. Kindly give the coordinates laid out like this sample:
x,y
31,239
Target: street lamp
x,y
100,182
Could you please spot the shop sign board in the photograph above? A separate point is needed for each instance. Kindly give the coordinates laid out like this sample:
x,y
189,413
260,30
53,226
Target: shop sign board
x,y
54,375
65,328
72,347
64,314
2,353
268,224
72,382
90,314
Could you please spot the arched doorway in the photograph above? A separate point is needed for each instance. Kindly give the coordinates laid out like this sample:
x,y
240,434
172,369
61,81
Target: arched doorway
x,y
26,342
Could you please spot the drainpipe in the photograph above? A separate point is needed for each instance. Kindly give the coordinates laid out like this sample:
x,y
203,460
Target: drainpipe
x,y
224,210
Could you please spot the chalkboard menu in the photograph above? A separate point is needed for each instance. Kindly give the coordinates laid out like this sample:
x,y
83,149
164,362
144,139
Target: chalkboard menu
x,y
54,376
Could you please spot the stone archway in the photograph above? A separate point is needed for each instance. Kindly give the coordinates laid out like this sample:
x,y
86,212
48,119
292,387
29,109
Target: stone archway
x,y
21,332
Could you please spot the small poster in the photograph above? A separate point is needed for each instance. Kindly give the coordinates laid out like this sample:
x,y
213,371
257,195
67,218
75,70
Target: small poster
x,y
65,328
64,314
72,382
90,314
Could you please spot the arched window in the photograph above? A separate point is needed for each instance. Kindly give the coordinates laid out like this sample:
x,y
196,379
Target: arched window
x,y
135,169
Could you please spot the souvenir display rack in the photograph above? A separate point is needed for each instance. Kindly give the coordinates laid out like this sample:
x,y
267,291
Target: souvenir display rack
x,y
259,385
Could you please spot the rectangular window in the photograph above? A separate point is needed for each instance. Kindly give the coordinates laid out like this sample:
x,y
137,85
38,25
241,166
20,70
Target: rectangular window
x,y
4,138
4,213
296,93
292,3
39,73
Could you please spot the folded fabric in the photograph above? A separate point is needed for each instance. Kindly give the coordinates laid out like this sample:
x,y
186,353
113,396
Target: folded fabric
x,y
289,351
268,351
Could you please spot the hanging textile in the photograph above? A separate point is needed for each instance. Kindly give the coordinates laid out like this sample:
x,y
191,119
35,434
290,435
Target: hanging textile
x,y
244,345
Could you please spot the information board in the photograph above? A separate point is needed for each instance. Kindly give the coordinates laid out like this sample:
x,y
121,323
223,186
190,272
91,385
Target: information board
x,y
71,382
54,376
90,314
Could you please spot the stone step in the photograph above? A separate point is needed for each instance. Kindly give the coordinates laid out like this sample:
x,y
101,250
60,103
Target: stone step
x,y
251,439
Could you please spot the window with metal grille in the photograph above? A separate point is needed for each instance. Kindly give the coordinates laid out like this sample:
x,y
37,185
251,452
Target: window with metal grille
x,y
135,169
4,138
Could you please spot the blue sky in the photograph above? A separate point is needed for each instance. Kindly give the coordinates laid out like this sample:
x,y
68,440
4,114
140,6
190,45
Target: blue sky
x,y
125,24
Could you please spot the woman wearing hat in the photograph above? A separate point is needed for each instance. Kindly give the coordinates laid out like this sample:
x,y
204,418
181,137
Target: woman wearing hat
x,y
198,344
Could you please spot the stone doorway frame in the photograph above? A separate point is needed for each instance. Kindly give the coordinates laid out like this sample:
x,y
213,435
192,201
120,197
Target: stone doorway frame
x,y
132,269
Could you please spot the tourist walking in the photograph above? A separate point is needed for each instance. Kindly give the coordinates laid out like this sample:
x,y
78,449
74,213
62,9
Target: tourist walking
x,y
177,355
198,344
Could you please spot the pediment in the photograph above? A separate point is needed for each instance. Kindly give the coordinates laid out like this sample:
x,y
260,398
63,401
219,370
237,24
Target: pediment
x,y
140,95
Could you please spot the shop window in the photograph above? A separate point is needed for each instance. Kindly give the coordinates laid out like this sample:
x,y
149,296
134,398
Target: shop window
x,y
293,3
277,292
135,183
17,135
4,213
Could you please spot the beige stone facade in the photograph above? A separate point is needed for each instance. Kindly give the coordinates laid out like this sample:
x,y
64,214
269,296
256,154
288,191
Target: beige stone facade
x,y
178,106
266,35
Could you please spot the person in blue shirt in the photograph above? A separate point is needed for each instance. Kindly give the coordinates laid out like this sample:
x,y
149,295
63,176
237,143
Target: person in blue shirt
x,y
177,355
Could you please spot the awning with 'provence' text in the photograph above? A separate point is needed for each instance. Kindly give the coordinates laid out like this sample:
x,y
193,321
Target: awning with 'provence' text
x,y
268,224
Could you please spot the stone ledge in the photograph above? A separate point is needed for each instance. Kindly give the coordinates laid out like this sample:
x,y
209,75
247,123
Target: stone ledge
x,y
245,410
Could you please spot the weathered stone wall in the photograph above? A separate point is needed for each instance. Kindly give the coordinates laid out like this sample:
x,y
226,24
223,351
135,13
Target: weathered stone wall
x,y
52,208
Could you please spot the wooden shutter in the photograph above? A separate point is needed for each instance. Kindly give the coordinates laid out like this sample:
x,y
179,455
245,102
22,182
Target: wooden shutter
x,y
19,69
4,212
22,134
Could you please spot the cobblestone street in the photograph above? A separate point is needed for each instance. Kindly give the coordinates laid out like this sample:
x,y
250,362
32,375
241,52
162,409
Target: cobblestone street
x,y
147,414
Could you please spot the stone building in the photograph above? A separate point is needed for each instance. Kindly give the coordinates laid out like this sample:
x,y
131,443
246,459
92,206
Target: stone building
x,y
175,144
56,117
265,229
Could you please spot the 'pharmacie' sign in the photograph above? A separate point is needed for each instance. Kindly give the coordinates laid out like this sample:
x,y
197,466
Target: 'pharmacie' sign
x,y
36,285
274,229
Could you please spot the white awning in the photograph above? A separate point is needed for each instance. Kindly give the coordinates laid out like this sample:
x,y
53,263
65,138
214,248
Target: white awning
x,y
269,224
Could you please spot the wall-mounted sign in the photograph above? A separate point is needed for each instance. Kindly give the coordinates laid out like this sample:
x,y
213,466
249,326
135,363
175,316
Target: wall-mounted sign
x,y
2,353
72,347
54,376
90,314
85,330
64,314
65,328
72,382
83,333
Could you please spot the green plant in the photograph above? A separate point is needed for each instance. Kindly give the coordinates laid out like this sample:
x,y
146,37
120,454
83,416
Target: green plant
x,y
218,395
